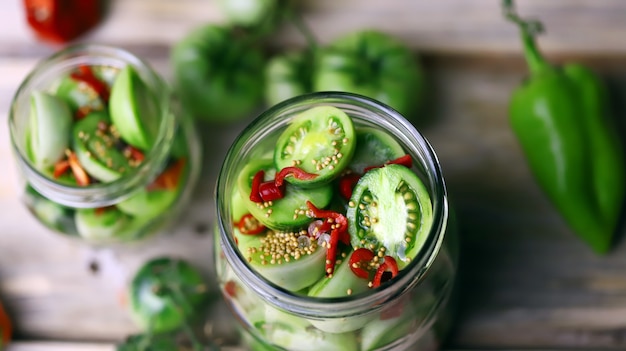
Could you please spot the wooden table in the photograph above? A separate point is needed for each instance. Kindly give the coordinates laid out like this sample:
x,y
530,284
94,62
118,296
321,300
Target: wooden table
x,y
526,281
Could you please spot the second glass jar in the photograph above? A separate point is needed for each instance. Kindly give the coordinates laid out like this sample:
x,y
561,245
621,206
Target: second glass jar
x,y
104,152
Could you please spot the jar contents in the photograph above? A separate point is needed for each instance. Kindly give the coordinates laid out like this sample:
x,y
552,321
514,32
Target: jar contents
x,y
331,208
95,125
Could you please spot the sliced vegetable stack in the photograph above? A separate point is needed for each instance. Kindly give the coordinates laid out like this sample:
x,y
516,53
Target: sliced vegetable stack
x,y
96,125
329,193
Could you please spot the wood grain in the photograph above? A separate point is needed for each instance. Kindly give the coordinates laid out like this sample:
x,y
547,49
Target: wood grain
x,y
443,26
526,281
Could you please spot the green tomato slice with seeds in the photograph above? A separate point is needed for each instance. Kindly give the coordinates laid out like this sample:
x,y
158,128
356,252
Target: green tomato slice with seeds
x,y
287,213
390,207
96,148
320,140
133,109
303,267
49,129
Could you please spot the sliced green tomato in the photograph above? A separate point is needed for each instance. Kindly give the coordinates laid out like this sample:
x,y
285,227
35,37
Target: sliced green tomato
x,y
342,283
49,130
286,213
165,293
289,273
390,208
134,110
320,140
410,313
78,95
374,147
101,225
294,333
237,206
97,150
50,213
148,203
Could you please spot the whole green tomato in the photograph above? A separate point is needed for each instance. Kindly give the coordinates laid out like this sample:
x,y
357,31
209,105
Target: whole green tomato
x,y
248,13
165,293
373,64
218,73
288,75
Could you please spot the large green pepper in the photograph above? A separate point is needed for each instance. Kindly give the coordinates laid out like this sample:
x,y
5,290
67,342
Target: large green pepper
x,y
218,73
373,64
561,118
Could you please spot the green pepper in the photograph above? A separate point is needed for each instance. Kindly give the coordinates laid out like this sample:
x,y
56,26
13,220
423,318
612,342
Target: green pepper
x,y
561,118
218,72
373,64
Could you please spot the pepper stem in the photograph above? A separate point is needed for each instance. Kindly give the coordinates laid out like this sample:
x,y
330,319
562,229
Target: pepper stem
x,y
528,30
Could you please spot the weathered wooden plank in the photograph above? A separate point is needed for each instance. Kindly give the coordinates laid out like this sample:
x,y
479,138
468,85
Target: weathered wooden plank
x,y
525,279
443,26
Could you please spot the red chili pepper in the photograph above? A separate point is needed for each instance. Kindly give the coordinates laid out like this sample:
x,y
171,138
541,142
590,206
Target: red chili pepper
x,y
59,21
347,183
360,257
6,328
269,191
255,195
99,211
296,172
135,153
389,265
85,74
405,161
60,168
230,288
336,234
249,225
169,178
82,178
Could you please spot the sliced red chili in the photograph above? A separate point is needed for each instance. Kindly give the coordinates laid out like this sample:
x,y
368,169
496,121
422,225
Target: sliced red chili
x,y
347,183
60,168
82,178
389,265
358,259
255,195
296,172
101,210
85,74
249,225
230,288
337,233
269,191
170,178
135,153
405,161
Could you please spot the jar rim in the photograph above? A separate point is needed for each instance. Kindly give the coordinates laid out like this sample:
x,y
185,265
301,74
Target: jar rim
x,y
411,275
99,194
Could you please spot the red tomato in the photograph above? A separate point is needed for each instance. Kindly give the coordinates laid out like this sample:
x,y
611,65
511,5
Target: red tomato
x,y
59,21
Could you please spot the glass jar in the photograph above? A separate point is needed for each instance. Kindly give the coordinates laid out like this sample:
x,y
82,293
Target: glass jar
x,y
103,150
413,311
